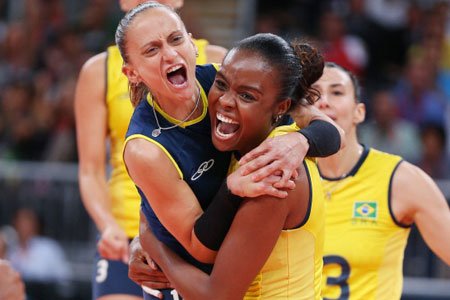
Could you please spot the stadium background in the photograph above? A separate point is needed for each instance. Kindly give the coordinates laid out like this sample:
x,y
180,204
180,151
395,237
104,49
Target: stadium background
x,y
398,47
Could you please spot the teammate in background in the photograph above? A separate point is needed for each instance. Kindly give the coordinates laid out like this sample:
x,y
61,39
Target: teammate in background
x,y
169,152
103,111
273,249
372,199
11,285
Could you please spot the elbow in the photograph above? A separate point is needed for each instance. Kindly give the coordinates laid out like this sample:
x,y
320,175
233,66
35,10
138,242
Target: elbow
x,y
201,253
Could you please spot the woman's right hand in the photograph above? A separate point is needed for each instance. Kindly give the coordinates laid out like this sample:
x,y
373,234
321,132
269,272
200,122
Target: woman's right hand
x,y
113,244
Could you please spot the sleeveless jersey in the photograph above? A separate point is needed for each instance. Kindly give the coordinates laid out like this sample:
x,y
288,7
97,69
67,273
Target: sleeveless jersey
x,y
191,151
122,191
364,244
294,268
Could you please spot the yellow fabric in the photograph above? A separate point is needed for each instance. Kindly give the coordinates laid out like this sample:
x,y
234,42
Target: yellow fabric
x,y
201,50
365,243
294,268
125,200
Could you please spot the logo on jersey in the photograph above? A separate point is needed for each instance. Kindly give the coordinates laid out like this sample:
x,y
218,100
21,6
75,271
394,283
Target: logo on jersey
x,y
205,166
367,210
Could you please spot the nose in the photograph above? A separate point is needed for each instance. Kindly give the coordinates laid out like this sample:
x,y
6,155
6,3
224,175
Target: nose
x,y
169,53
226,100
322,102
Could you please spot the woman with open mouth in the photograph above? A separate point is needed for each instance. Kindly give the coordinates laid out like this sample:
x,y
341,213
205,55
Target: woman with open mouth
x,y
169,151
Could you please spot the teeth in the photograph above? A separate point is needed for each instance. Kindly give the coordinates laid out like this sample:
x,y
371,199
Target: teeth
x,y
225,119
174,68
224,135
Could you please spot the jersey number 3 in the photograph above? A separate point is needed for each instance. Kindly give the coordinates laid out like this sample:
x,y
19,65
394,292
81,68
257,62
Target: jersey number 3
x,y
342,279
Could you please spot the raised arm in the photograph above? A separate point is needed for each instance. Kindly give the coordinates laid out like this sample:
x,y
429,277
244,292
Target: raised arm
x,y
319,137
91,125
417,199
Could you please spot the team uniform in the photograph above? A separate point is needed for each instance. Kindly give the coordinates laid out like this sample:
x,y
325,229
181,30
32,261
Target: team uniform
x,y
364,244
111,276
294,268
190,149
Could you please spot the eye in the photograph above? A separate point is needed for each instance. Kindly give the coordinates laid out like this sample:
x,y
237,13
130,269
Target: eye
x,y
219,84
151,51
337,93
247,97
178,39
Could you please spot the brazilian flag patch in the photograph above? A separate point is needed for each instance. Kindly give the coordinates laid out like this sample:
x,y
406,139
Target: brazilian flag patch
x,y
365,210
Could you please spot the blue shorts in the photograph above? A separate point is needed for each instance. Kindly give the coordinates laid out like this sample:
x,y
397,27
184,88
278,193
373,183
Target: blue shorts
x,y
111,277
169,294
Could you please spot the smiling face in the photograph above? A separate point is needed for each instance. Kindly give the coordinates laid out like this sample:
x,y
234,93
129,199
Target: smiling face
x,y
242,102
337,99
161,54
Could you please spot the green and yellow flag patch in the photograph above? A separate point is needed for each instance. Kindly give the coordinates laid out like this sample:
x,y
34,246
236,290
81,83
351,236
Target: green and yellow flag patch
x,y
365,210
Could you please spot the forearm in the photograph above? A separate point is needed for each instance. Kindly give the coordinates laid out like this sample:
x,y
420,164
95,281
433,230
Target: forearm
x,y
95,197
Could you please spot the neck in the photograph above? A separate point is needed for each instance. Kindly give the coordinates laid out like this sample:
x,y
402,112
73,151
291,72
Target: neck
x,y
180,108
341,163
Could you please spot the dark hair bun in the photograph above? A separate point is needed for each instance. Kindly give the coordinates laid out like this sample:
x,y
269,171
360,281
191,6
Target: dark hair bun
x,y
311,60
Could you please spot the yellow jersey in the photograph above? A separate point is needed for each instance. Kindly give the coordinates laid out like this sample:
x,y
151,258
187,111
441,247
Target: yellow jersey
x,y
364,244
125,200
294,268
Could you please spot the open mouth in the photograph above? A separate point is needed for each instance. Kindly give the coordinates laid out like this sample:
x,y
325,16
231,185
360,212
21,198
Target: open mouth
x,y
176,75
226,127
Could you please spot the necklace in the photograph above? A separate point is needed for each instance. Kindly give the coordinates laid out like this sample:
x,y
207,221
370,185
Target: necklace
x,y
156,132
331,186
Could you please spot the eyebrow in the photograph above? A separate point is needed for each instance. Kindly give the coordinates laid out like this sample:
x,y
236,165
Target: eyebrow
x,y
247,87
336,85
152,42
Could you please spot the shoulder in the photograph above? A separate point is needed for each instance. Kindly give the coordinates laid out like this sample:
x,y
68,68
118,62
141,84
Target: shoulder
x,y
142,148
94,68
215,53
206,74
96,63
412,188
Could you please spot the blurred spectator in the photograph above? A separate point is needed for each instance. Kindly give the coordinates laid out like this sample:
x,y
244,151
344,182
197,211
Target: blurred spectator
x,y
340,47
37,258
434,161
388,133
418,99
389,35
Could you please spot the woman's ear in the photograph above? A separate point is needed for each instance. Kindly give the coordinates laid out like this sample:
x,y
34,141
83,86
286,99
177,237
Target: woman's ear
x,y
131,74
360,113
283,106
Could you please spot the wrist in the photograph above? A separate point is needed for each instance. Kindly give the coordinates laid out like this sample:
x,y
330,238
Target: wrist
x,y
323,138
231,187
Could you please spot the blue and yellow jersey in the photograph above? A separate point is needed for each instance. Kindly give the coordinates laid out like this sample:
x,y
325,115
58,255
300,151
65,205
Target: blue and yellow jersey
x,y
364,244
190,148
294,268
123,194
